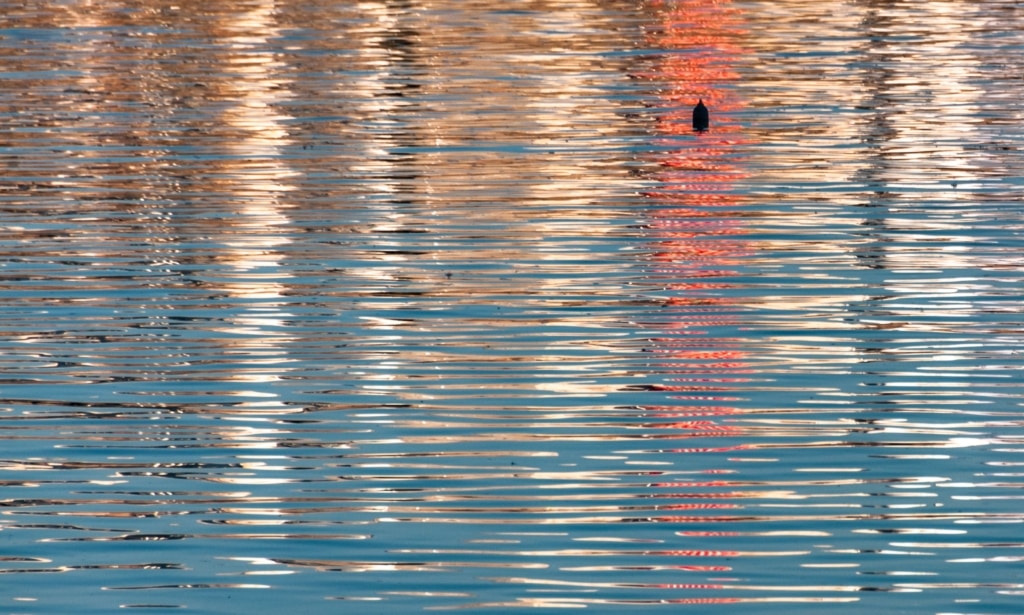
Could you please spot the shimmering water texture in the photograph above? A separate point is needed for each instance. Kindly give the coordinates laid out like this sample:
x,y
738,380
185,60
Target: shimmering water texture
x,y
392,306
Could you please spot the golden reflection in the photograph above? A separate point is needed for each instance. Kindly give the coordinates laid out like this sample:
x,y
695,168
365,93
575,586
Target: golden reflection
x,y
924,99
897,147
431,143
253,137
181,168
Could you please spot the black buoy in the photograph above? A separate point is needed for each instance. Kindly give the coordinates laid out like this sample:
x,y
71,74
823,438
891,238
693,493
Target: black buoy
x,y
701,118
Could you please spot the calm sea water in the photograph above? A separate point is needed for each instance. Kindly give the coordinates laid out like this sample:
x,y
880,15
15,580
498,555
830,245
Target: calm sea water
x,y
390,306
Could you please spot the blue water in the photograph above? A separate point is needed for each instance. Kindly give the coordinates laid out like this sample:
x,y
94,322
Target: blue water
x,y
403,306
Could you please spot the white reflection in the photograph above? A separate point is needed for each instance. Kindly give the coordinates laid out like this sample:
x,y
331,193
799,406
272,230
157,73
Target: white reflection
x,y
255,175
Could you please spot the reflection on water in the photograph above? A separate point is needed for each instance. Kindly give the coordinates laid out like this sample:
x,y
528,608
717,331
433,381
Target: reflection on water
x,y
415,306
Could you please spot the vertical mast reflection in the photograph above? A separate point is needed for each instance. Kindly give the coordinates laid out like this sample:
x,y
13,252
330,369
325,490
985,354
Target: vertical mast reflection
x,y
257,178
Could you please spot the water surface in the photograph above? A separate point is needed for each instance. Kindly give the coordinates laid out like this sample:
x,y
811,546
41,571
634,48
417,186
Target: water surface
x,y
403,306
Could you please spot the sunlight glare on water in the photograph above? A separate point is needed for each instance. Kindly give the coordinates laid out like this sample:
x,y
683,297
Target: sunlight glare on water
x,y
401,306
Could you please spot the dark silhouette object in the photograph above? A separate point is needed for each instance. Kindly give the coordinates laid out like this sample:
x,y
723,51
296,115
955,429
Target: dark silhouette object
x,y
701,118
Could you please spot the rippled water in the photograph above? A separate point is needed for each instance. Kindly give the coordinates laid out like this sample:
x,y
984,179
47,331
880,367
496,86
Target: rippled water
x,y
391,306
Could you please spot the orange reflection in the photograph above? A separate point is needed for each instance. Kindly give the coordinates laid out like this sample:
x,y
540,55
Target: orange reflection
x,y
699,235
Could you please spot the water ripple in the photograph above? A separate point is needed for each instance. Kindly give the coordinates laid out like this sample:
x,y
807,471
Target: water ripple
x,y
439,306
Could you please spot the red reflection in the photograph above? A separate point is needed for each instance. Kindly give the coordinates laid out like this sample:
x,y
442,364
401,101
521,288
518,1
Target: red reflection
x,y
699,239
706,601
